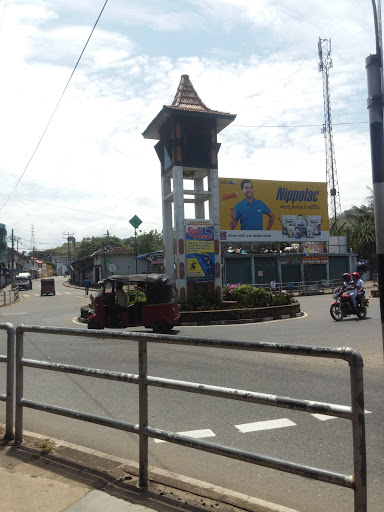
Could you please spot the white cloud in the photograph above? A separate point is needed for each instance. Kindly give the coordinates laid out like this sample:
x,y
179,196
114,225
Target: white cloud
x,y
254,59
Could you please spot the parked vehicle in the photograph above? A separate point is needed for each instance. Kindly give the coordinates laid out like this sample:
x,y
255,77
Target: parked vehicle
x,y
151,302
342,306
47,287
23,281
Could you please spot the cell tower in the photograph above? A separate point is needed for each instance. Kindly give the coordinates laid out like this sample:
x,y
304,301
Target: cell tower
x,y
325,64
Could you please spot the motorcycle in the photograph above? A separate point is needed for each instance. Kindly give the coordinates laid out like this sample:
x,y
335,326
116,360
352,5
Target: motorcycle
x,y
342,305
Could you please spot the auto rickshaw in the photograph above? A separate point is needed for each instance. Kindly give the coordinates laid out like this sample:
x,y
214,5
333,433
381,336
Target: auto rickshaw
x,y
47,287
151,301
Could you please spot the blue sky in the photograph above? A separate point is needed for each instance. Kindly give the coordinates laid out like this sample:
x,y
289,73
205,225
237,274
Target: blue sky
x,y
254,58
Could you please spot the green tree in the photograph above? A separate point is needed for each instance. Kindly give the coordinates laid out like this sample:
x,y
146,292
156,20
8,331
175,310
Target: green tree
x,y
146,242
89,245
359,224
362,233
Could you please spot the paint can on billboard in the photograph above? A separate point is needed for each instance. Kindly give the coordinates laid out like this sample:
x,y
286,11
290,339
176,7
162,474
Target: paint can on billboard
x,y
288,225
315,222
300,227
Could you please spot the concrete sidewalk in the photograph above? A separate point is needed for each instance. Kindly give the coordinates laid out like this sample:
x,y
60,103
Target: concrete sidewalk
x,y
49,475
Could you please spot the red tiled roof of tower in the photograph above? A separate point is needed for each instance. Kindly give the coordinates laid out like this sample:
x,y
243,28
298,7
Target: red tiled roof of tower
x,y
186,98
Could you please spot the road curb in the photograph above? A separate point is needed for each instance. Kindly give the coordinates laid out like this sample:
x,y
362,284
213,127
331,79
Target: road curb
x,y
228,322
243,320
168,478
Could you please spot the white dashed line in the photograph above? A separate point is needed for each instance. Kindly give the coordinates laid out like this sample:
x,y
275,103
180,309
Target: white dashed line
x,y
323,417
196,434
265,425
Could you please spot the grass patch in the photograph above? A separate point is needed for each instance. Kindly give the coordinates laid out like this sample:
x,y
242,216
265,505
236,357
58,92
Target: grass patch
x,y
44,448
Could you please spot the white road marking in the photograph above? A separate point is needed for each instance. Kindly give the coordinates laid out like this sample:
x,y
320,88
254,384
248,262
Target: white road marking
x,y
196,434
325,417
265,425
76,321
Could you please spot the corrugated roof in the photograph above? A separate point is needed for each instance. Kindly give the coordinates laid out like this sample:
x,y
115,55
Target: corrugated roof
x,y
114,251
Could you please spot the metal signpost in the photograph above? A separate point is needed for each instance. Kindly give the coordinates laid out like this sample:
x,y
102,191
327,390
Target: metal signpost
x,y
135,222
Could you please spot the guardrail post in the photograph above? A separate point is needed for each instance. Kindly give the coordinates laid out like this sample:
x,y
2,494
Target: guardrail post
x,y
19,386
143,416
358,433
10,382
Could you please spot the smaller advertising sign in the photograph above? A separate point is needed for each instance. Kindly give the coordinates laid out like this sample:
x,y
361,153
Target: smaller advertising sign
x,y
317,260
312,247
200,250
157,259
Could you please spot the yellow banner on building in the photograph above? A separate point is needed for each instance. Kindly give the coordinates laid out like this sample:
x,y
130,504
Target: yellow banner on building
x,y
273,211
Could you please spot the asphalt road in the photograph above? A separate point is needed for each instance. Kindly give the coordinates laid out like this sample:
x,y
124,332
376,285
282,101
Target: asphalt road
x,y
285,434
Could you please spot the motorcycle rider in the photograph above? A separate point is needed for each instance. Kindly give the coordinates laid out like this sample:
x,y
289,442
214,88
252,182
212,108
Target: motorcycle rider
x,y
346,279
359,283
349,285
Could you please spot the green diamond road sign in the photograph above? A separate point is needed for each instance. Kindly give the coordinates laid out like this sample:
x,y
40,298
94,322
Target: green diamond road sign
x,y
135,221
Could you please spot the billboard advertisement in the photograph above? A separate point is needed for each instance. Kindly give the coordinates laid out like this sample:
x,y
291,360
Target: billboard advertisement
x,y
200,250
273,211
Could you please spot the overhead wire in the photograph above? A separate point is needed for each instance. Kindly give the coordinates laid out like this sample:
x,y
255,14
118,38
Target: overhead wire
x,y
2,16
293,125
56,107
72,209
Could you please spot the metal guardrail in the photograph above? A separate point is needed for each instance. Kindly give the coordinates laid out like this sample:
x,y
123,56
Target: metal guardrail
x,y
304,288
9,396
9,296
354,413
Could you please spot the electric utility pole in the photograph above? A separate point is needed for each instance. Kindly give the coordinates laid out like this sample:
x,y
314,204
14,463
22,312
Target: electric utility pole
x,y
69,239
374,67
12,262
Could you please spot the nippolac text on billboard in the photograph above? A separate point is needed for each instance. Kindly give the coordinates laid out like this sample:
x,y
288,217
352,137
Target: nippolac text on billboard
x,y
291,196
280,211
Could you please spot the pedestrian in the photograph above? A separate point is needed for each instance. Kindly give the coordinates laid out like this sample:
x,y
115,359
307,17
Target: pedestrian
x,y
87,282
273,286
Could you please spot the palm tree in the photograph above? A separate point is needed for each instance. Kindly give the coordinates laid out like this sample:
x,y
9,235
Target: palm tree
x,y
359,224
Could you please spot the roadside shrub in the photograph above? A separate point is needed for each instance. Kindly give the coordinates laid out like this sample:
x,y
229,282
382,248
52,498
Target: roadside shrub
x,y
244,296
282,299
228,290
247,296
199,303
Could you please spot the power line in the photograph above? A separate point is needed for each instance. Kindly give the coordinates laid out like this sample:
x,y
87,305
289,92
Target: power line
x,y
67,207
293,125
55,109
2,16
78,210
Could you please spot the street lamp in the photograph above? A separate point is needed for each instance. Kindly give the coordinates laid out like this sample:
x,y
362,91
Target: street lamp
x,y
374,67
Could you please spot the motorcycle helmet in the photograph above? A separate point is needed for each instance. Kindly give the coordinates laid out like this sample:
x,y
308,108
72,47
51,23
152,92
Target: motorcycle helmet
x,y
356,274
346,277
